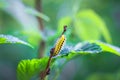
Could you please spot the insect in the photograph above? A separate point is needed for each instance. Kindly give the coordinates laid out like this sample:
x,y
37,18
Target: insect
x,y
59,44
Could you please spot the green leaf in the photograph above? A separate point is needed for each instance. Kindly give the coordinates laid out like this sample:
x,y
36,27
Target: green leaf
x,y
28,68
33,37
108,48
36,13
8,39
91,47
90,26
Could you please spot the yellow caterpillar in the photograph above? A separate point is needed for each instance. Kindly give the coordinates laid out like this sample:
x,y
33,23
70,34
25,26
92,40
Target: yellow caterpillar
x,y
59,45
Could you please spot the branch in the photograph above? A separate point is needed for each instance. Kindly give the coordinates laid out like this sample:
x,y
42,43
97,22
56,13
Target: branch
x,y
47,70
38,4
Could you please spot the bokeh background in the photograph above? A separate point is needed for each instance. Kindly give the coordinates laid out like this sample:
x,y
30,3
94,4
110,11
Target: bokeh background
x,y
40,23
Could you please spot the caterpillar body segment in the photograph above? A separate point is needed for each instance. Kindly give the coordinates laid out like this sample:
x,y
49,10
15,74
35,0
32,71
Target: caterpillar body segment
x,y
59,45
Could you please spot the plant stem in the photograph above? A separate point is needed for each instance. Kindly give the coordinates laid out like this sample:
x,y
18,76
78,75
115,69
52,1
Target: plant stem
x,y
47,69
38,4
39,8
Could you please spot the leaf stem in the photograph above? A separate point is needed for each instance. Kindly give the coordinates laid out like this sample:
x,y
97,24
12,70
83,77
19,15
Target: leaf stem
x,y
47,69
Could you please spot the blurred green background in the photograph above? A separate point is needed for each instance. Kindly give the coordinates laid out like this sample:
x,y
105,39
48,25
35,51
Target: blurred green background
x,y
86,20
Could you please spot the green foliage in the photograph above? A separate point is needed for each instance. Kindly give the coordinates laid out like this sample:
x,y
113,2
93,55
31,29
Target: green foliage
x,y
92,47
88,23
36,13
62,22
89,20
28,68
8,39
33,38
3,4
30,3
109,48
101,76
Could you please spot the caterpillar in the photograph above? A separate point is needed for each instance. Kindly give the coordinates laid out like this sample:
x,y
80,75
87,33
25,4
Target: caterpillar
x,y
59,44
